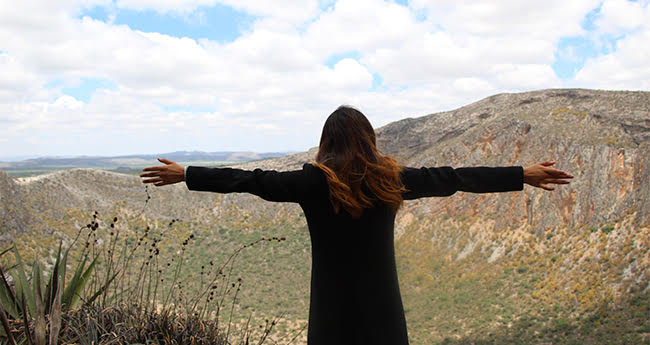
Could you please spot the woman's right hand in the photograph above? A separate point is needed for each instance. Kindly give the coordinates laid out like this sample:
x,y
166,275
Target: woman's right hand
x,y
541,175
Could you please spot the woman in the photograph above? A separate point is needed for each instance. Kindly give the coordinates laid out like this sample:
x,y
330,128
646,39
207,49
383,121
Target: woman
x,y
350,195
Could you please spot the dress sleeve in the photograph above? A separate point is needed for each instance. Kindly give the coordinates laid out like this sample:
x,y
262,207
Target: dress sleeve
x,y
444,181
268,184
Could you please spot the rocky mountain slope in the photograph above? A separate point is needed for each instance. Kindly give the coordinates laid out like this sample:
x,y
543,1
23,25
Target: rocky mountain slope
x,y
601,137
14,214
532,265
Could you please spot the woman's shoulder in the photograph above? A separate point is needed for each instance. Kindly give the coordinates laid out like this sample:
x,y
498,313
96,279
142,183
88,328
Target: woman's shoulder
x,y
308,167
313,172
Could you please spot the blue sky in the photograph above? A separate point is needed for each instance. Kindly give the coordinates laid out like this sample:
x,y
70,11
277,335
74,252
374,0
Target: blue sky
x,y
148,76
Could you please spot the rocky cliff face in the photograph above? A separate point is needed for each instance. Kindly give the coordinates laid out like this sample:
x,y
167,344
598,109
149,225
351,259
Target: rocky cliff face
x,y
601,137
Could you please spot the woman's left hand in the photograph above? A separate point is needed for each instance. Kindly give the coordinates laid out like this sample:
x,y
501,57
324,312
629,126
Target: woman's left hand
x,y
169,173
541,175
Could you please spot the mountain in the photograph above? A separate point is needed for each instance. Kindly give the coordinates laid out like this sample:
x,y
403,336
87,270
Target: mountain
x,y
582,249
572,265
602,137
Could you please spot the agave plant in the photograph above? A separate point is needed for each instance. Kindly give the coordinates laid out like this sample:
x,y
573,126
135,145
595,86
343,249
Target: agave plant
x,y
39,297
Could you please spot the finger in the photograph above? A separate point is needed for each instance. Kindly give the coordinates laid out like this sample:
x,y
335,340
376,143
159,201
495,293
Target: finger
x,y
557,181
162,183
547,163
158,168
151,174
152,180
562,174
558,173
544,186
166,161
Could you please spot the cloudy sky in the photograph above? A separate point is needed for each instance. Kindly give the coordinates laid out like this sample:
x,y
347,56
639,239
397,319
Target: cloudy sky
x,y
109,77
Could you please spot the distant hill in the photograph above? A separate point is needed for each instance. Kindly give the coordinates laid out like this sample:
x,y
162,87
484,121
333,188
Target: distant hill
x,y
569,266
129,163
103,161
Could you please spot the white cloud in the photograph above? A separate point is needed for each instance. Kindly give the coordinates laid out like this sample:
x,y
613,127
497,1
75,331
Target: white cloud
x,y
361,25
471,39
534,19
273,50
270,88
349,74
288,10
521,76
620,15
627,66
472,85
67,103
15,79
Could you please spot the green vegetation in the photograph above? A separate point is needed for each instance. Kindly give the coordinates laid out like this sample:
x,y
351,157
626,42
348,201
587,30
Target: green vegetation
x,y
34,299
137,283
563,110
607,229
525,297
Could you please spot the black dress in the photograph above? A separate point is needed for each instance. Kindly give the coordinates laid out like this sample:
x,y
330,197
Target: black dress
x,y
355,296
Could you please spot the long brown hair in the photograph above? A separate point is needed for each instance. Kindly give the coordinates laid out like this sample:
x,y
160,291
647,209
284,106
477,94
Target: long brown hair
x,y
358,174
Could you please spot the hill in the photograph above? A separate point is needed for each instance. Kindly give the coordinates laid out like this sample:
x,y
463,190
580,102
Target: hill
x,y
571,265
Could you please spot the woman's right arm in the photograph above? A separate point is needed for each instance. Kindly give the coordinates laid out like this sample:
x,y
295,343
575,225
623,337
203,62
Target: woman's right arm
x,y
271,185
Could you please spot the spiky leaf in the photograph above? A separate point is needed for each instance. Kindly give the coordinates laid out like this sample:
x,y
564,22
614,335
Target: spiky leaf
x,y
55,316
22,287
53,282
71,287
8,297
81,283
37,287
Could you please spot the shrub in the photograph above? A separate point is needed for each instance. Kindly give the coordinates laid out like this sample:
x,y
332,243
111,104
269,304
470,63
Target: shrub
x,y
607,229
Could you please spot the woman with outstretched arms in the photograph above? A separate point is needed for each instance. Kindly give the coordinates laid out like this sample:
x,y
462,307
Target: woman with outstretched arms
x,y
350,195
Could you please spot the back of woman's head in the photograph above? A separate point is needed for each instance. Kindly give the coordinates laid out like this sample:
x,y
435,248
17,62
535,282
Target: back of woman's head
x,y
357,173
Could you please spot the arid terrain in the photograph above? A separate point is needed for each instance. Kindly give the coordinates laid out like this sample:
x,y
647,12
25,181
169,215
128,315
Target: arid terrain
x,y
571,266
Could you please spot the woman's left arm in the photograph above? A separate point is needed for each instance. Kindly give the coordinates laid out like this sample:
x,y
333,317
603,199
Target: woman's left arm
x,y
445,181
